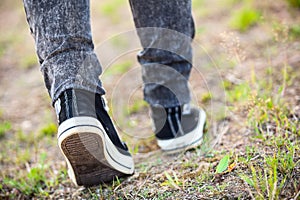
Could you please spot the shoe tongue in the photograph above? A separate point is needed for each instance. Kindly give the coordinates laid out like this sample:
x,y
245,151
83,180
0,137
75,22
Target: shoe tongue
x,y
186,109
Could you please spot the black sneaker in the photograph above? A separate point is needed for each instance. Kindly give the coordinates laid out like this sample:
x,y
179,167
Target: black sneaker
x,y
88,139
178,128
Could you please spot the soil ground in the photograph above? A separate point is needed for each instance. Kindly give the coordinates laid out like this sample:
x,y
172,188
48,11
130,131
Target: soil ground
x,y
222,54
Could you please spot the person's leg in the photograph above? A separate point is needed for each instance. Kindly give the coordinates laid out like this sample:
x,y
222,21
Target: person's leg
x,y
166,30
62,33
86,134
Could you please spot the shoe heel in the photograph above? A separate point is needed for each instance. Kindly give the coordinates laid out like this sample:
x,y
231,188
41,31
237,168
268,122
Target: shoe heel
x,y
84,152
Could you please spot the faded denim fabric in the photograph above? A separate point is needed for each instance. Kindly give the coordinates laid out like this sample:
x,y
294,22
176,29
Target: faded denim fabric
x,y
62,33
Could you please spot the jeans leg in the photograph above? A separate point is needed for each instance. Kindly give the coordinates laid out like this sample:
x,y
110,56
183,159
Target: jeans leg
x,y
166,30
62,33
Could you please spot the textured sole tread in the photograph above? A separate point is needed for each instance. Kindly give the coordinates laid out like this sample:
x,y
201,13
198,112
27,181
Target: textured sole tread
x,y
85,153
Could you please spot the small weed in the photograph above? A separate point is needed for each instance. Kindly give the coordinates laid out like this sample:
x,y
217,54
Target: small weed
x,y
6,41
119,42
295,31
199,8
189,164
234,52
197,4
223,164
31,183
28,61
172,181
200,30
27,138
231,2
206,97
23,156
294,3
110,9
119,68
93,195
49,130
2,49
244,18
247,179
4,127
280,32
238,92
227,85
137,106
267,180
269,117
250,154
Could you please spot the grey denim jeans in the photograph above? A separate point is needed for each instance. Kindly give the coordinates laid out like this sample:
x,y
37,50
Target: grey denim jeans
x,y
62,34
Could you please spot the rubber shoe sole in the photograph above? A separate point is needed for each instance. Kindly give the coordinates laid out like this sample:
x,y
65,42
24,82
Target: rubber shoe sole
x,y
91,157
188,141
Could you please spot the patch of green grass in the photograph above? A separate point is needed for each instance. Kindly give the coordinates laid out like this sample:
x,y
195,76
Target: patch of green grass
x,y
32,182
4,127
242,19
227,85
269,176
137,106
200,30
111,8
9,39
2,49
270,172
266,115
119,42
295,31
200,8
26,138
22,155
237,92
172,180
104,191
294,3
248,155
4,44
206,97
189,164
49,130
28,61
119,68
198,4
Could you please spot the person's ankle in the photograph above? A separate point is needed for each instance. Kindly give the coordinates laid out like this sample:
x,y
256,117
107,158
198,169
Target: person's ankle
x,y
73,103
178,128
167,120
82,103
